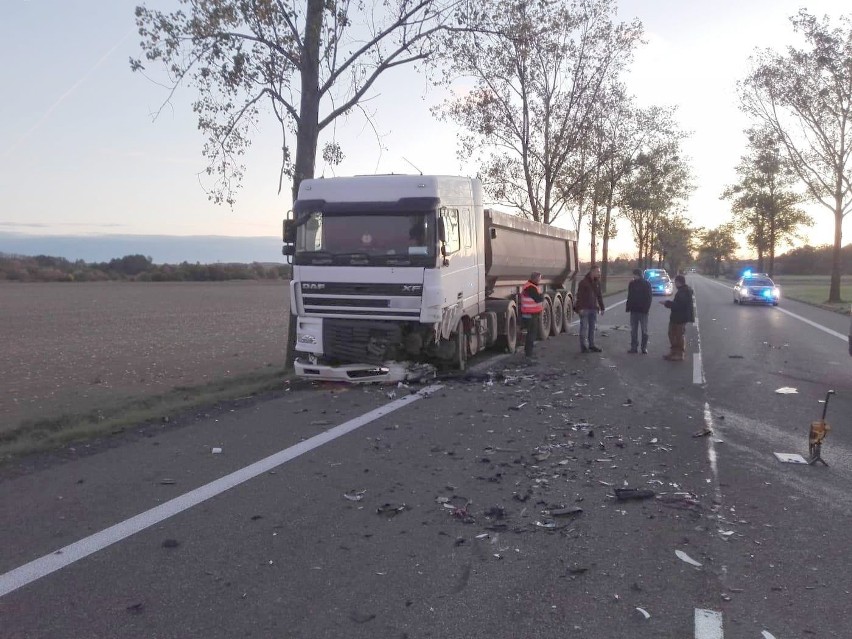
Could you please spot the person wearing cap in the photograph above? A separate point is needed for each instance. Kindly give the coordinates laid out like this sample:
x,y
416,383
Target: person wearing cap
x,y
639,297
683,313
532,305
589,302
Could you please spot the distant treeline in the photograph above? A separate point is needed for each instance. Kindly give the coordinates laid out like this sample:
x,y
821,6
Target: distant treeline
x,y
138,268
805,260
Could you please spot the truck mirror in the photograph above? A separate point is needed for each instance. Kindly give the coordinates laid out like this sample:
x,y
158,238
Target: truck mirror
x,y
289,231
288,249
442,233
493,233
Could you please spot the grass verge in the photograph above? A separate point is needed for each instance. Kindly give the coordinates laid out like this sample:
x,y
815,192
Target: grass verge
x,y
46,434
813,290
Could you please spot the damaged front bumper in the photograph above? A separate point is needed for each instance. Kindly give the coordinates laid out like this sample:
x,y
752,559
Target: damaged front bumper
x,y
362,373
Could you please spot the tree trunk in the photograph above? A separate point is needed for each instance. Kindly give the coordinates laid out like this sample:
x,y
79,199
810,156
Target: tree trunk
x,y
772,242
593,223
308,130
834,288
605,241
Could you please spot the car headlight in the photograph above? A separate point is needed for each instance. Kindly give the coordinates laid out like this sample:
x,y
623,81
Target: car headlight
x,y
776,292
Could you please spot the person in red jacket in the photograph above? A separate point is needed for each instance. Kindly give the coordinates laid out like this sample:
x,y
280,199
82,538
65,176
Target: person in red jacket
x,y
589,302
532,304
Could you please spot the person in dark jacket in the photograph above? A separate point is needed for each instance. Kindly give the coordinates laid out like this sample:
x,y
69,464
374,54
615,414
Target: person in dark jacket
x,y
639,296
683,313
532,305
589,302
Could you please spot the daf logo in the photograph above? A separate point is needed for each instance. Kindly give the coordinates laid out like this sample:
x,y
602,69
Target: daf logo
x,y
411,288
312,286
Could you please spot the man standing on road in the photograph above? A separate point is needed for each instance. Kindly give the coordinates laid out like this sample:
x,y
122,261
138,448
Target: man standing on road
x,y
638,305
683,312
532,304
589,302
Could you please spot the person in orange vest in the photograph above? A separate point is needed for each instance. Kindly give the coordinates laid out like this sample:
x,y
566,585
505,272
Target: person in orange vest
x,y
532,304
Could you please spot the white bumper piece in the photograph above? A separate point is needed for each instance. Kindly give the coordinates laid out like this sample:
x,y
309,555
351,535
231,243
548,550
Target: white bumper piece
x,y
362,373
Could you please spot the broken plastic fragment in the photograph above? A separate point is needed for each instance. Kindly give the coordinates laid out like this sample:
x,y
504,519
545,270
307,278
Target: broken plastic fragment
x,y
216,450
355,495
767,635
644,613
391,509
625,494
565,512
790,458
686,558
786,390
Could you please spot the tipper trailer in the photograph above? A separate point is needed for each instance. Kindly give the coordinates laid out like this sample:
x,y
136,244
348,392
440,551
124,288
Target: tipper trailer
x,y
402,268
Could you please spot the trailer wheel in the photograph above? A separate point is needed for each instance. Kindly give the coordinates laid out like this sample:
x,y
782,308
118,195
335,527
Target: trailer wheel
x,y
460,359
568,307
509,341
546,319
558,315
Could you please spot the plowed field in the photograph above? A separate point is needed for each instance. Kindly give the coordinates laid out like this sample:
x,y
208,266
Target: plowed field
x,y
71,348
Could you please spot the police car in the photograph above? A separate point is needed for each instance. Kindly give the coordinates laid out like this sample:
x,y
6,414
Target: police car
x,y
756,288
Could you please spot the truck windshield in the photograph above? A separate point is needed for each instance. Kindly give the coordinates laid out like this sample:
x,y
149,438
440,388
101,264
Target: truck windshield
x,y
367,239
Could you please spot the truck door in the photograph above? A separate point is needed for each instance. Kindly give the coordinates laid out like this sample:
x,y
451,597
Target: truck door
x,y
460,274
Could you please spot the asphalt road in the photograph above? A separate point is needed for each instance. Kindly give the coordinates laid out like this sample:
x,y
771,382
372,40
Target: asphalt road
x,y
475,507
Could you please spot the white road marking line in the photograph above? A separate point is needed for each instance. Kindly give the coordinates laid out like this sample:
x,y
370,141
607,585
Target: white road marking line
x,y
697,369
613,305
38,568
845,338
711,452
814,324
697,365
708,624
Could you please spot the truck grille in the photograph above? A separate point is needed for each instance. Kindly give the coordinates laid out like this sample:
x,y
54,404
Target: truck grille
x,y
359,341
378,301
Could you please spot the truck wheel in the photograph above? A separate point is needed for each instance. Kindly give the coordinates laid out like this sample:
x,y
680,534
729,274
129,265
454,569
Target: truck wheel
x,y
568,307
509,341
558,316
460,359
546,319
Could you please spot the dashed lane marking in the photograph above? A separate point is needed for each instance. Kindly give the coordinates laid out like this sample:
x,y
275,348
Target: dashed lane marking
x,y
697,369
38,568
708,624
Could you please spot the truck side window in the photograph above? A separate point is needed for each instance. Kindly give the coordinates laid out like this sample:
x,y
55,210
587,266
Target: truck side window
x,y
451,230
466,228
312,236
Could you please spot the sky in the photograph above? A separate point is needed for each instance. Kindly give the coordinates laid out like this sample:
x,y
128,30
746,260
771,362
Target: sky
x,y
82,153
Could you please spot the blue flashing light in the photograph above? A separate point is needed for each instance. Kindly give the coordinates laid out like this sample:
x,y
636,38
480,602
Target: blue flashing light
x,y
747,272
767,293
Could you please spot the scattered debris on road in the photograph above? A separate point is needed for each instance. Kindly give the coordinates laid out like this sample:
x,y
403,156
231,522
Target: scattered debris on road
x,y
786,390
628,494
391,510
686,558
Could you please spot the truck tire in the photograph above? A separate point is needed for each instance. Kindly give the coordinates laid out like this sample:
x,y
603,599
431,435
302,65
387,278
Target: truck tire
x,y
568,307
546,319
558,316
460,357
509,342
